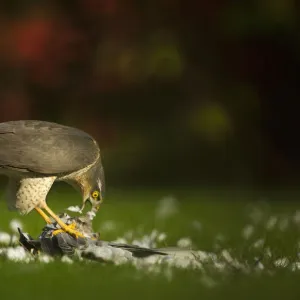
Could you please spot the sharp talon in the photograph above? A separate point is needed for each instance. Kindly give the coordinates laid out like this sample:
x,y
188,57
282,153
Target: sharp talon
x,y
70,229
66,228
75,233
57,231
72,226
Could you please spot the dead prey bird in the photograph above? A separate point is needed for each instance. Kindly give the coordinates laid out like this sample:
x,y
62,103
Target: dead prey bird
x,y
62,243
35,154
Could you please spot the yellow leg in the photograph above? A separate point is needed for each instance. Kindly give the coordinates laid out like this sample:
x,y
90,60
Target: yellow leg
x,y
44,216
66,228
71,226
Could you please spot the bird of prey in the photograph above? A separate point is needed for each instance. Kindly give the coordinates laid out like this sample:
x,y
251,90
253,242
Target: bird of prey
x,y
34,154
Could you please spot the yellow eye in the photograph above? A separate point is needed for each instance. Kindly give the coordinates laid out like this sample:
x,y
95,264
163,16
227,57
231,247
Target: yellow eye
x,y
95,194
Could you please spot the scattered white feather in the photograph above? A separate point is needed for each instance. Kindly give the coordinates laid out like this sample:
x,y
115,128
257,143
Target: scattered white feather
x,y
121,260
221,266
232,261
182,263
295,266
185,242
67,260
74,209
220,261
17,254
260,266
46,259
5,238
227,256
15,224
281,262
213,256
203,256
162,237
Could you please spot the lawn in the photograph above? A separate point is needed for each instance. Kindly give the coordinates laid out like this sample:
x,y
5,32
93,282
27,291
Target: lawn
x,y
253,237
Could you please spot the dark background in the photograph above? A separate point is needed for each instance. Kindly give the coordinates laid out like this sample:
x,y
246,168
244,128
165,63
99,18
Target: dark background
x,y
200,93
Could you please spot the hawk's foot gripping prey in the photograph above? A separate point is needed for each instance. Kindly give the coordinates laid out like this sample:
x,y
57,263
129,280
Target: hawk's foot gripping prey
x,y
70,229
64,227
67,228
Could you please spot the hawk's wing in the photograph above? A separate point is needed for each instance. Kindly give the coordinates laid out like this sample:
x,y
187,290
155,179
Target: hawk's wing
x,y
45,147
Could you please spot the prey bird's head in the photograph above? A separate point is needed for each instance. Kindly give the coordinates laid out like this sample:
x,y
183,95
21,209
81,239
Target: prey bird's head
x,y
95,186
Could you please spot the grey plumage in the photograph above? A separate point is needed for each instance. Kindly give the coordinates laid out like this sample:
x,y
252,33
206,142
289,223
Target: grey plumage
x,y
45,148
64,244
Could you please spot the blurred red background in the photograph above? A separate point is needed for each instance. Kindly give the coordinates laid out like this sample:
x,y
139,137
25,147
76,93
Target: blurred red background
x,y
176,92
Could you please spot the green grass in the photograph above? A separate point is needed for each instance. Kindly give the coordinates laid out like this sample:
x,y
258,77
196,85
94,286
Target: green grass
x,y
221,213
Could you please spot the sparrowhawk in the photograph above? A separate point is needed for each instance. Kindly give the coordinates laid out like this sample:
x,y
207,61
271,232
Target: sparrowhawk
x,y
35,154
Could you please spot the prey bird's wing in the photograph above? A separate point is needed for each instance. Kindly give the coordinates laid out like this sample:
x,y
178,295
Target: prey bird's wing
x,y
44,147
136,250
